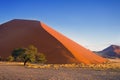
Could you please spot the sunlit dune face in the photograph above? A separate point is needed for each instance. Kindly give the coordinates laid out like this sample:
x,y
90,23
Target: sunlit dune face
x,y
80,53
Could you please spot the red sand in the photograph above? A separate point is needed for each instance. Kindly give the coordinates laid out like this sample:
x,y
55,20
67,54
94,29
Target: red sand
x,y
57,48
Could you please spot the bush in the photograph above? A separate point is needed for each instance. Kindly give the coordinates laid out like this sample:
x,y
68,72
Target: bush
x,y
10,58
40,58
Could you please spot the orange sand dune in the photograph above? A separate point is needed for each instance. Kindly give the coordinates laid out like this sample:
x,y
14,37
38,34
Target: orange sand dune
x,y
80,53
58,48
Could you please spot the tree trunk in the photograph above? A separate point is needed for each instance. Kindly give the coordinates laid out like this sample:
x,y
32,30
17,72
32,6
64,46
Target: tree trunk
x,y
25,62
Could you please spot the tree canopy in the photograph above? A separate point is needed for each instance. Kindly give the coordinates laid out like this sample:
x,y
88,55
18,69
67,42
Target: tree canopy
x,y
29,54
18,52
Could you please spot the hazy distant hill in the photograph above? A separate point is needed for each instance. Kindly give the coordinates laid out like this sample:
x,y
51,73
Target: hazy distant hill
x,y
112,51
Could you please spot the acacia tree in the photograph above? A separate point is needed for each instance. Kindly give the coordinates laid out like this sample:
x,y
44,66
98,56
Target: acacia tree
x,y
29,54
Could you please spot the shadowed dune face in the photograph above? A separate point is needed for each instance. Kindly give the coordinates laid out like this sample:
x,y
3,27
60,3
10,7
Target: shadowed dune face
x,y
56,47
22,33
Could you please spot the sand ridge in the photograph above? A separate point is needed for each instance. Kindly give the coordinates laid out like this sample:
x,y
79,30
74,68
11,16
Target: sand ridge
x,y
81,54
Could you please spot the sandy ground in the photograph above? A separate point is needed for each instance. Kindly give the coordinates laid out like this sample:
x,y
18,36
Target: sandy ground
x,y
14,72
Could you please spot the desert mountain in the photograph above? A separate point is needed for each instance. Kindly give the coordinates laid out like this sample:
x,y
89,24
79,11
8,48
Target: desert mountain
x,y
57,48
111,51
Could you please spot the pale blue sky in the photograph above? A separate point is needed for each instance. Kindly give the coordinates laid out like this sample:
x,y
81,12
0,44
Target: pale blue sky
x,y
95,24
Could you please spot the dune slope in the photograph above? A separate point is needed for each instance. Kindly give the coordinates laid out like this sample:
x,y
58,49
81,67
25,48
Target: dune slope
x,y
57,48
80,53
22,33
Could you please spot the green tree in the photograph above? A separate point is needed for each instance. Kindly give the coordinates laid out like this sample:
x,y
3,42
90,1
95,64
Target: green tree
x,y
29,54
40,58
10,58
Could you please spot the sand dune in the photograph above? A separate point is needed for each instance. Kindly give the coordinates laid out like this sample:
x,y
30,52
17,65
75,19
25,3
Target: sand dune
x,y
57,48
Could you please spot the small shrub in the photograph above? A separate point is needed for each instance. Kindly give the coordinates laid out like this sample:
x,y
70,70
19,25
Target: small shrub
x,y
40,58
10,58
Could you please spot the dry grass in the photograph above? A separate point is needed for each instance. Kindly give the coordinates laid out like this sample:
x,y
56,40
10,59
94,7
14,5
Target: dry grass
x,y
12,63
113,64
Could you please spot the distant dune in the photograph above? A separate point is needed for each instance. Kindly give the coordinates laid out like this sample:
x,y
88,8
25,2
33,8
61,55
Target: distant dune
x,y
111,51
57,48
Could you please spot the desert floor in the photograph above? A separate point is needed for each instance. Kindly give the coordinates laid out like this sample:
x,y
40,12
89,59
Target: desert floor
x,y
19,72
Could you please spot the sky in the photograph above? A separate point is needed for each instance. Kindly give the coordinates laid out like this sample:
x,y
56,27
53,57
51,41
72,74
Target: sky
x,y
94,24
